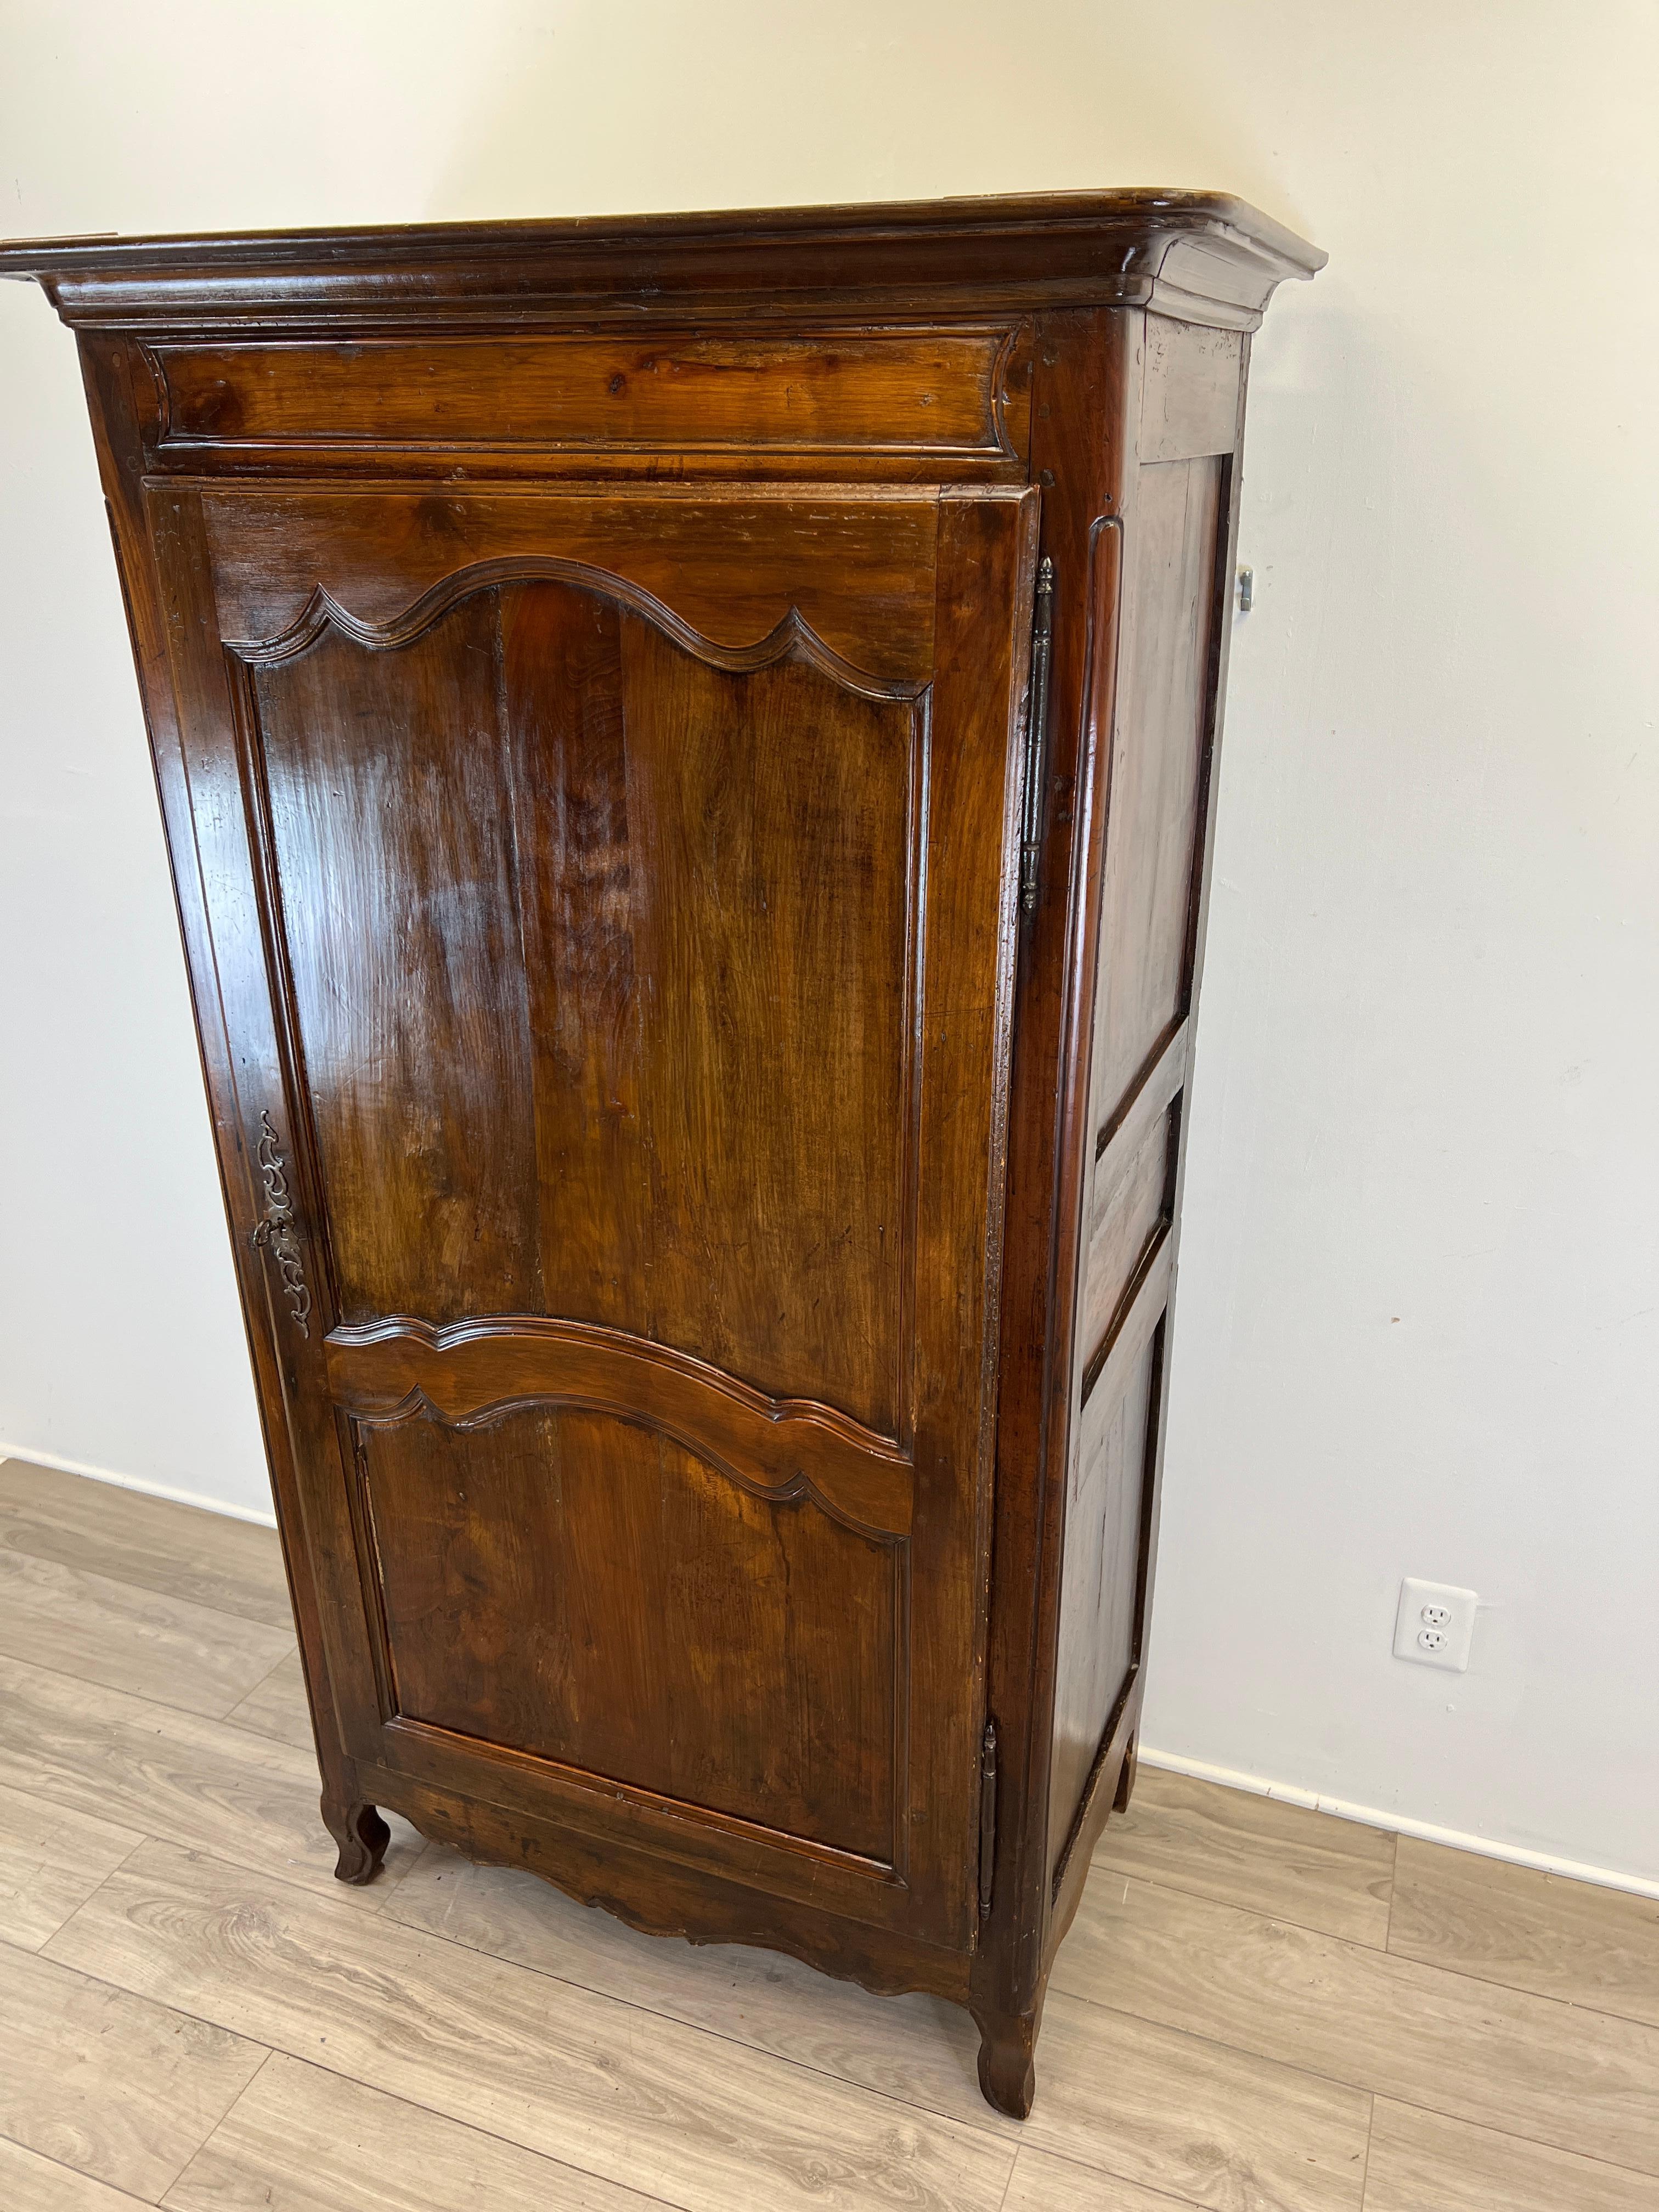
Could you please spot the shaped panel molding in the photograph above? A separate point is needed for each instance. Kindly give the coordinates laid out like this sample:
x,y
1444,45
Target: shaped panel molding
x,y
727,568
471,1373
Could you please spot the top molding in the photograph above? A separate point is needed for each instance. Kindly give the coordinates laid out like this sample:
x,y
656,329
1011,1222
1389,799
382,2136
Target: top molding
x,y
1198,256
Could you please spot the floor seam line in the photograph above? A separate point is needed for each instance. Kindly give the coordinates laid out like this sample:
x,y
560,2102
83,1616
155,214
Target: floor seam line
x,y
255,2075
979,2132
1106,2174
984,2130
81,2174
1208,1897
1366,2156
50,1805
277,2050
138,1697
1423,1965
276,1669
1515,2135
123,1582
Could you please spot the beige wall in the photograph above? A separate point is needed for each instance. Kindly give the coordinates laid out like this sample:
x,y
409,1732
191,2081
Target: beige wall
x,y
1419,1295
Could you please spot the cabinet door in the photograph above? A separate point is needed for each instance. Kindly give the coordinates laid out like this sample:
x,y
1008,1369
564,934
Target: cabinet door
x,y
613,900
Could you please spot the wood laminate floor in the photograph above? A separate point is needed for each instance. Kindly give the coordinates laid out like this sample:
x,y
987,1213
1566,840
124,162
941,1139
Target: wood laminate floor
x,y
1259,2008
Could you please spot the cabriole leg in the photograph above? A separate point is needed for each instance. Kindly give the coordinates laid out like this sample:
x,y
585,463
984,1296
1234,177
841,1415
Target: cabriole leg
x,y
1007,2067
362,1837
1126,1779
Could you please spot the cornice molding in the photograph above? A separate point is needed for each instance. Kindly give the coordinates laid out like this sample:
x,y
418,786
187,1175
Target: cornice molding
x,y
1199,255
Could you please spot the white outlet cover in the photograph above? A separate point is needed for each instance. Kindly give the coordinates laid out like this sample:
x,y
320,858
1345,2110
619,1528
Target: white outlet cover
x,y
1435,1624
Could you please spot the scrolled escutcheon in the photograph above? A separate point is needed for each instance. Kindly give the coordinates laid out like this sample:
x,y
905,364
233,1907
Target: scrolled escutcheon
x,y
276,1232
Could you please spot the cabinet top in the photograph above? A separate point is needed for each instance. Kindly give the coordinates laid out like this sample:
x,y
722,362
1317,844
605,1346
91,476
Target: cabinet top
x,y
1199,256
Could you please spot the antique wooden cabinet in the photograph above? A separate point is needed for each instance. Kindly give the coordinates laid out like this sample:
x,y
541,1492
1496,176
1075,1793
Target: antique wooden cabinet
x,y
687,746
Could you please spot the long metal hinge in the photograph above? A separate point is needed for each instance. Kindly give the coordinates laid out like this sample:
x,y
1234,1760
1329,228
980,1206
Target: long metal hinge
x,y
987,1816
1036,734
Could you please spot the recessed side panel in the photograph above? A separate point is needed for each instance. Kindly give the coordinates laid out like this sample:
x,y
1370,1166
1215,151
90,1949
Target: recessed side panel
x,y
1129,1205
587,1590
1189,394
1158,785
1099,1627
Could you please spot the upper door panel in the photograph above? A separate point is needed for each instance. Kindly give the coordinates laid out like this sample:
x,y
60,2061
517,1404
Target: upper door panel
x,y
603,963
602,931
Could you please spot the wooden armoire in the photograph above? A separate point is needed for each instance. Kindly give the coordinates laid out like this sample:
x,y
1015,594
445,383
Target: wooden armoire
x,y
687,745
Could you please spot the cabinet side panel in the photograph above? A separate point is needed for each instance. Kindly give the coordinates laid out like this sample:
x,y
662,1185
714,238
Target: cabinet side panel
x,y
1104,1515
1177,535
1157,774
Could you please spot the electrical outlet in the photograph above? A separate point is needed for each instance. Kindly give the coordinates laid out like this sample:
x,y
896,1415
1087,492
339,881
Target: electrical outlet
x,y
1435,1624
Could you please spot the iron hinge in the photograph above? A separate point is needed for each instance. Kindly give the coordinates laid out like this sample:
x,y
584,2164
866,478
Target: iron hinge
x,y
1036,734
987,1816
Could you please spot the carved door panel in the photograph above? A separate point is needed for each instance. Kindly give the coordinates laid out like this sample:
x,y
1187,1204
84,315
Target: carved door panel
x,y
614,899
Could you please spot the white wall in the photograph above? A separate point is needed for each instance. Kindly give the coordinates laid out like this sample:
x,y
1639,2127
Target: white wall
x,y
1419,1300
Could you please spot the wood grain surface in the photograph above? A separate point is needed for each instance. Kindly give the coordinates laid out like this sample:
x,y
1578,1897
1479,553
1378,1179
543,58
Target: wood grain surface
x,y
1420,2159
595,2082
204,1783
277,1706
50,1860
1257,1852
1527,1929
303,2139
145,1640
1500,2057
177,1551
1043,2184
44,2184
118,2086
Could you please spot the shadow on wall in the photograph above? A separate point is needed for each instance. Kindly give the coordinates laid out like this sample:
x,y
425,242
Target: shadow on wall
x,y
608,113
1432,908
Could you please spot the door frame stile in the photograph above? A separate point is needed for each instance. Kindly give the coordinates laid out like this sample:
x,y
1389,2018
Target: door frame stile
x,y
124,408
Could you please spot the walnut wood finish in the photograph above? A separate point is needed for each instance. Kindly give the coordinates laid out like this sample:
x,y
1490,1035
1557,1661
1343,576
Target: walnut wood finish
x,y
707,1238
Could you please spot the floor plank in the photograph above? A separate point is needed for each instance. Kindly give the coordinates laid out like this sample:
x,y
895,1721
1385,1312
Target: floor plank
x,y
172,1774
1255,1852
115,2085
1043,2184
1420,2162
1528,1929
918,2048
278,1706
617,2092
180,1550
305,2140
1233,2131
1503,2059
29,2183
51,1859
1215,2127
112,1632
